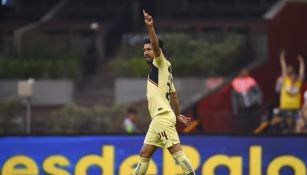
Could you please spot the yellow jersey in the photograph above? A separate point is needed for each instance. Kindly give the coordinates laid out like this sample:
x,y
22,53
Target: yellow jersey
x,y
159,86
290,94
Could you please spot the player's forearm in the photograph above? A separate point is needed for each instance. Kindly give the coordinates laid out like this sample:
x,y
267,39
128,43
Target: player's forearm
x,y
302,71
154,41
283,64
302,68
174,102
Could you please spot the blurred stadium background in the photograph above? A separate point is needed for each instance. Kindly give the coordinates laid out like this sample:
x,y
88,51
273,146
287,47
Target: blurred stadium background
x,y
73,67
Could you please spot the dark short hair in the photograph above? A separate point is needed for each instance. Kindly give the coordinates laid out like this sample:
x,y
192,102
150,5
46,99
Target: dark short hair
x,y
147,41
131,110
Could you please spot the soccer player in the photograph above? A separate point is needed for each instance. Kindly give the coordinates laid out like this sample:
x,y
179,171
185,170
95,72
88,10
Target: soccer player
x,y
163,106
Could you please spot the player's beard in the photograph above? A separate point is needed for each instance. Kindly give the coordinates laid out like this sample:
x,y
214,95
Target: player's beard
x,y
148,60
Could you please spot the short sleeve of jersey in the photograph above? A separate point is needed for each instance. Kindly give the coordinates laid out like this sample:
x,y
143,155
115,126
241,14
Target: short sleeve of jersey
x,y
172,87
160,60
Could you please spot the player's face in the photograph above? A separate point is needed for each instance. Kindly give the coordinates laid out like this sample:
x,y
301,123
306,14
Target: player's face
x,y
148,53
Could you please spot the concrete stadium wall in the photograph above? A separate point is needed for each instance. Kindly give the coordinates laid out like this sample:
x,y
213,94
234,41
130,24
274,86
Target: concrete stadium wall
x,y
188,89
45,92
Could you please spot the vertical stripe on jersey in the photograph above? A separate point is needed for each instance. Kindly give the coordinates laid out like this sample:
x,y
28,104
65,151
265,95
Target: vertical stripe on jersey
x,y
154,75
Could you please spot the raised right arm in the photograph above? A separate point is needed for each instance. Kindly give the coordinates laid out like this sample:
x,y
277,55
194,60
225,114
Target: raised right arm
x,y
283,63
152,34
